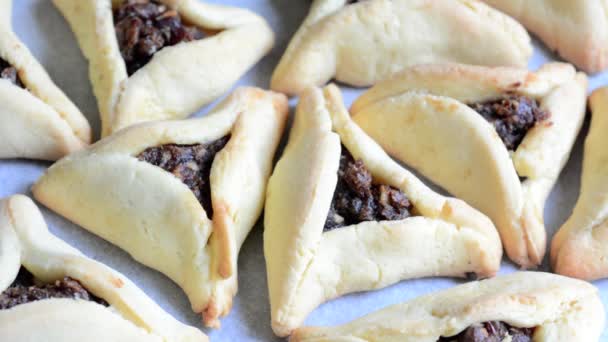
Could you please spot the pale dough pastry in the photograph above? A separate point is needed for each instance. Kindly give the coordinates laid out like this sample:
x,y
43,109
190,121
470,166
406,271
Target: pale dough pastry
x,y
131,316
577,30
421,117
579,249
37,121
560,309
307,266
362,43
151,214
179,79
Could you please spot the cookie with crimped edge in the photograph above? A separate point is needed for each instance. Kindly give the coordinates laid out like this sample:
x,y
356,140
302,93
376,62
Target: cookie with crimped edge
x,y
543,306
429,117
362,43
308,265
579,247
179,79
37,120
576,30
121,312
190,233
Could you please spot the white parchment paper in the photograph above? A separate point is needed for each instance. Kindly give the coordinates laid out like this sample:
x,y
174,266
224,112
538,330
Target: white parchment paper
x,y
45,32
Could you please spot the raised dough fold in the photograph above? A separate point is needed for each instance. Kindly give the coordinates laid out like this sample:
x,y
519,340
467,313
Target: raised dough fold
x,y
360,44
421,117
179,79
579,249
155,217
131,316
307,266
577,30
561,309
38,122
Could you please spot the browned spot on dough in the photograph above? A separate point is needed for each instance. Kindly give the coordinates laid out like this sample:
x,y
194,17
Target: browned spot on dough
x,y
210,315
117,282
516,85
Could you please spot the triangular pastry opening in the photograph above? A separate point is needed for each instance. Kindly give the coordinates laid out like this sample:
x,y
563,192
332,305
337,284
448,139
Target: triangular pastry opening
x,y
495,137
163,59
181,195
49,291
516,307
190,163
10,73
341,216
144,27
491,331
512,116
26,289
359,198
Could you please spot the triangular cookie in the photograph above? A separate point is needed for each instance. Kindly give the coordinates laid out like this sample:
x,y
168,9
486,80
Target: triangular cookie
x,y
37,120
443,120
78,299
519,307
362,43
383,224
579,249
188,216
576,30
179,78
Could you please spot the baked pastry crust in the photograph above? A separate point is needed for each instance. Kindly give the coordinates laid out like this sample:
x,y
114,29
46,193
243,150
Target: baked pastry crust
x,y
420,116
155,217
38,122
307,266
561,309
579,247
132,316
385,36
179,79
576,30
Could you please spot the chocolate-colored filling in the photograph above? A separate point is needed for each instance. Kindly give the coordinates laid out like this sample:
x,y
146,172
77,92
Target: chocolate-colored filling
x,y
512,117
144,27
24,290
190,163
493,331
9,72
357,199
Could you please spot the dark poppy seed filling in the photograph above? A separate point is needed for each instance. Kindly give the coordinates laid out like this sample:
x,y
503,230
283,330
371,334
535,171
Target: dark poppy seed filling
x,y
9,72
493,331
144,27
190,163
24,290
357,199
512,117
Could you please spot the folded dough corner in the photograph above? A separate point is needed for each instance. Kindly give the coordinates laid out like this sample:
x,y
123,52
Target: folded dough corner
x,y
362,43
578,248
341,219
496,137
523,306
51,292
170,80
561,26
179,196
37,120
